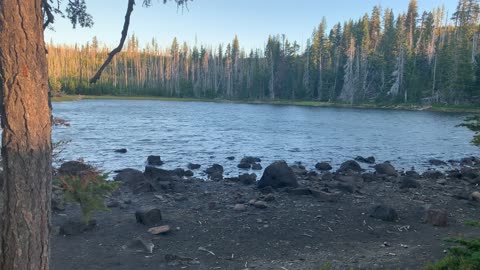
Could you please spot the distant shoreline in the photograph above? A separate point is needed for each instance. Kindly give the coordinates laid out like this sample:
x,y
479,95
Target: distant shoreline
x,y
434,108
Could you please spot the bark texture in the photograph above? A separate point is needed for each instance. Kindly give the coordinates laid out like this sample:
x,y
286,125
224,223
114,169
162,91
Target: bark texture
x,y
26,138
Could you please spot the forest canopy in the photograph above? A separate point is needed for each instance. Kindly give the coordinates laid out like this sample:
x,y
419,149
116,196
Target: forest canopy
x,y
382,57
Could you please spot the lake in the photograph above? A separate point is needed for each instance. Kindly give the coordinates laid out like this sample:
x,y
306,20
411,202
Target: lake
x,y
207,133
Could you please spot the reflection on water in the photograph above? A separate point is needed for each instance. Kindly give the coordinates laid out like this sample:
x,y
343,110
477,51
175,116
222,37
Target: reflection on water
x,y
206,133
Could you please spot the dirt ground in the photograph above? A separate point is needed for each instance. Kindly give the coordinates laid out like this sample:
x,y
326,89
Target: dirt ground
x,y
293,232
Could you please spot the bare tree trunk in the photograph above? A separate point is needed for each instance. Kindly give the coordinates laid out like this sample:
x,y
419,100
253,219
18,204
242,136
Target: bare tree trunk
x,y
26,138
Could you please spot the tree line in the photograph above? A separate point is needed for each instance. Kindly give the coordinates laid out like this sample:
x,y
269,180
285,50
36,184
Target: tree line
x,y
382,57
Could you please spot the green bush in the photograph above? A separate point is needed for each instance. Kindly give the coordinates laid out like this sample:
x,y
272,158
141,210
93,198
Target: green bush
x,y
473,123
87,190
464,255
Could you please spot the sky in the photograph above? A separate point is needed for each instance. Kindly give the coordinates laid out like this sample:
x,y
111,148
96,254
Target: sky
x,y
211,22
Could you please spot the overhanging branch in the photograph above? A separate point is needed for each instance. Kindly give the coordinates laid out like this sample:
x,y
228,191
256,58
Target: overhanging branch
x,y
118,49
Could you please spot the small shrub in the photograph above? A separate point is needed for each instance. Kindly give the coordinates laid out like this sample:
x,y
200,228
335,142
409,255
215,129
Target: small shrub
x,y
464,255
87,190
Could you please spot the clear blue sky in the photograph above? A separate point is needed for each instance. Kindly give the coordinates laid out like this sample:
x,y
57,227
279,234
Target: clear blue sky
x,y
211,22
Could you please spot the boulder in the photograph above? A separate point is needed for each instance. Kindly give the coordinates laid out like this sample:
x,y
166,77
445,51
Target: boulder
x,y
386,168
121,150
432,174
74,168
244,166
188,173
250,160
75,227
469,161
384,213
159,174
277,175
368,160
350,165
437,162
323,166
248,179
231,158
130,177
267,190
215,168
475,196
193,166
216,176
256,167
369,177
408,182
469,173
436,217
412,174
179,172
299,170
345,187
149,217
154,161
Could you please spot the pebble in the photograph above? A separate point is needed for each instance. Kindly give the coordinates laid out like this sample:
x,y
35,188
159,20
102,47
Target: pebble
x,y
260,204
239,207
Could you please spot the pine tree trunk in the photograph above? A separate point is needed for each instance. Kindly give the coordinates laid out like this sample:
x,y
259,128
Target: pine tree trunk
x,y
26,138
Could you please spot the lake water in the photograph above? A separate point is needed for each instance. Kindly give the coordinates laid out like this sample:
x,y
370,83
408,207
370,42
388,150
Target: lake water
x,y
207,133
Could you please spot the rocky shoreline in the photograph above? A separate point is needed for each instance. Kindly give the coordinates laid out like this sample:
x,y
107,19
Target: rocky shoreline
x,y
290,217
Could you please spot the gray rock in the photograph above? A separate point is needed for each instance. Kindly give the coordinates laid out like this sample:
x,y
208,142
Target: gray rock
x,y
248,179
323,196
140,244
215,168
154,161
368,160
256,167
158,174
437,162
188,173
75,227
250,160
369,177
299,170
408,182
130,177
260,204
239,207
432,174
350,165
277,175
121,150
323,166
74,168
244,166
436,217
386,168
149,217
193,166
300,191
216,176
384,213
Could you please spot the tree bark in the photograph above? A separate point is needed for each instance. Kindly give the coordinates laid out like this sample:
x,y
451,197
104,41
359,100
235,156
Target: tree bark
x,y
26,138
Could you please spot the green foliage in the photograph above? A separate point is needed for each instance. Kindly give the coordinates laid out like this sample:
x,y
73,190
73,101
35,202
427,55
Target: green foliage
x,y
464,255
473,123
87,190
